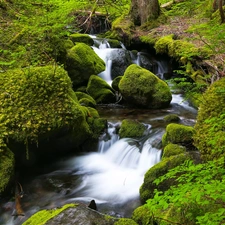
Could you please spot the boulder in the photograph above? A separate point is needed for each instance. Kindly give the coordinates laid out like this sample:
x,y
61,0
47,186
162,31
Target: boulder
x,y
131,128
100,90
85,99
173,149
139,87
81,63
84,38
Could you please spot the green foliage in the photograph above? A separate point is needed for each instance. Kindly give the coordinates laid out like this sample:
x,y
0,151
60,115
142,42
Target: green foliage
x,y
198,197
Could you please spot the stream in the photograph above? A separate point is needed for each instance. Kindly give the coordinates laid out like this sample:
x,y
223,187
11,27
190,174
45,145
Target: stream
x,y
112,174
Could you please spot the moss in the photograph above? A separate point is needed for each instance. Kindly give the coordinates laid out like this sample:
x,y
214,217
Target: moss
x,y
7,164
38,101
84,38
162,44
41,217
209,136
148,40
100,90
178,134
172,149
161,168
172,118
140,87
142,215
115,83
85,99
114,43
81,63
131,128
125,221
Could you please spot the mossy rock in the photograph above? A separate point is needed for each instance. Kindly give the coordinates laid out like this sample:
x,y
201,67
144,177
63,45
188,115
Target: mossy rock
x,y
7,163
173,149
131,128
162,44
62,48
209,137
172,118
81,63
70,214
114,43
115,83
142,215
100,90
139,87
178,134
161,168
44,105
125,221
84,38
85,99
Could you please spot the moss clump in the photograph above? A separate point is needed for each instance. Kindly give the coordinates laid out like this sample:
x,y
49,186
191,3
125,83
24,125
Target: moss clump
x,y
178,134
172,149
85,99
142,215
7,164
131,128
161,168
172,118
125,221
37,101
115,83
114,43
84,38
100,90
209,137
162,44
140,87
41,217
81,63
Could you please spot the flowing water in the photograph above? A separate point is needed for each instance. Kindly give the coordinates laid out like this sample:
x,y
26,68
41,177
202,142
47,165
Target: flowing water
x,y
112,174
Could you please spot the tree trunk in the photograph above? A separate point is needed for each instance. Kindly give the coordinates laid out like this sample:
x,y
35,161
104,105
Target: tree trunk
x,y
221,11
143,11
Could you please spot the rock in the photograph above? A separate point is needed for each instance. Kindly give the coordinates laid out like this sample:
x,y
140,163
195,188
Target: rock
x,y
172,118
84,38
100,90
85,99
131,128
173,149
81,63
139,87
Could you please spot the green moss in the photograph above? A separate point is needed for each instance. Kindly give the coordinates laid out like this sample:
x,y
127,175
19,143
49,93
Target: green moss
x,y
209,137
84,38
172,118
100,90
131,128
115,83
148,40
172,149
81,63
140,87
161,168
85,99
162,44
178,134
39,100
7,164
142,215
114,43
43,216
125,221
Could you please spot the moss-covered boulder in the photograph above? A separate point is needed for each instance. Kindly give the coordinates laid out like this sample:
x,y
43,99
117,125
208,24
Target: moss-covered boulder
x,y
131,128
178,134
81,63
172,118
84,38
161,168
115,83
70,214
142,215
210,126
173,149
100,90
38,105
7,163
139,87
125,221
85,99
